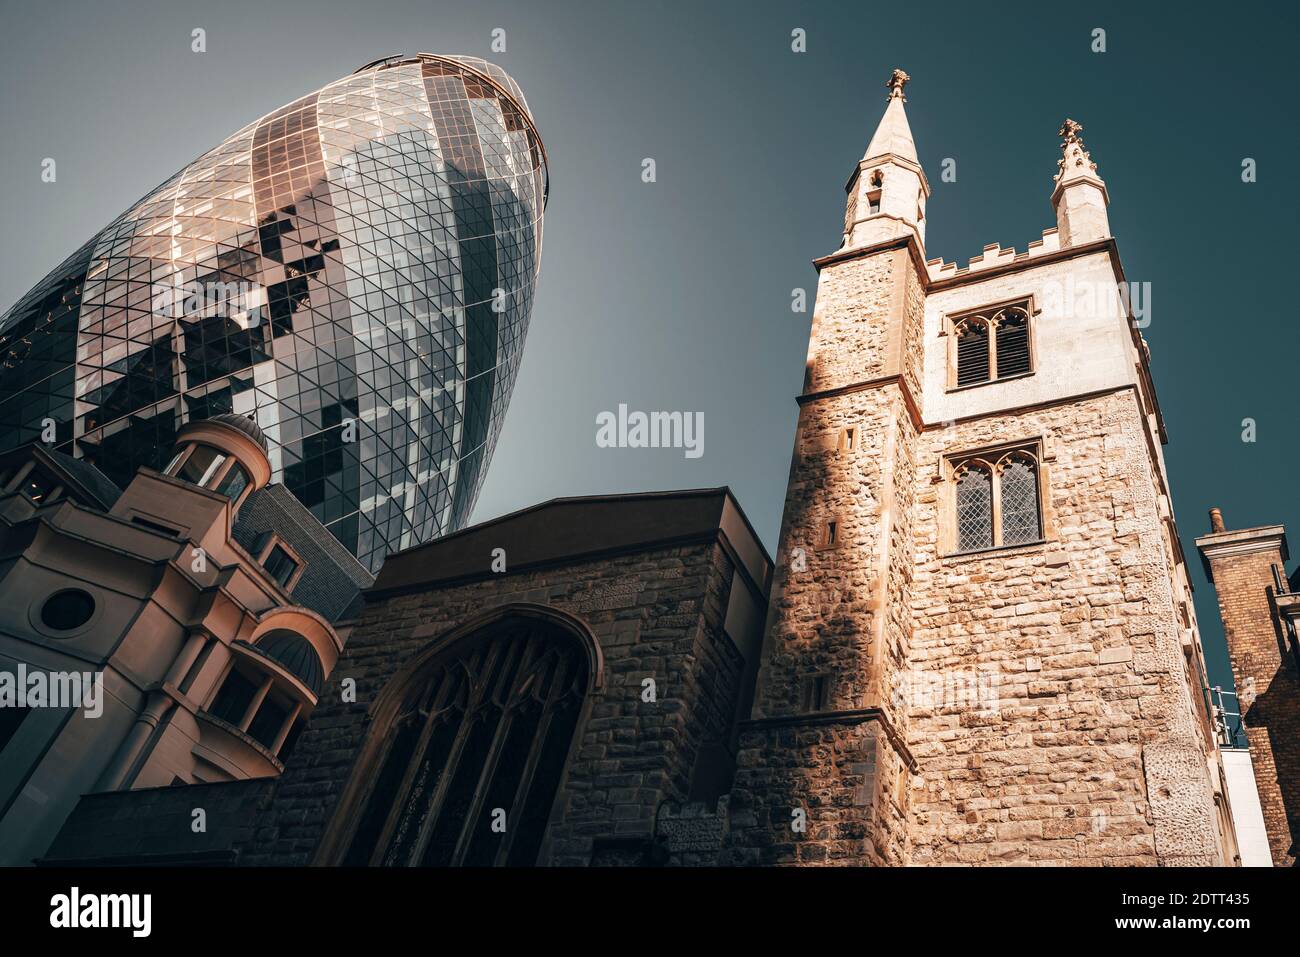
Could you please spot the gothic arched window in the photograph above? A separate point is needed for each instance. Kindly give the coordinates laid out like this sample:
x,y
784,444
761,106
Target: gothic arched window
x,y
974,506
999,504
972,351
992,345
1012,346
472,761
1018,488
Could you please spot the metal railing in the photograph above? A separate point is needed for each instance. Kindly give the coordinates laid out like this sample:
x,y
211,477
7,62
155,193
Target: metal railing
x,y
1228,726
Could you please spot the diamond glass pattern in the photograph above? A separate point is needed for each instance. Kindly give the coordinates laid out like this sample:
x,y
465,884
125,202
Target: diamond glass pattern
x,y
974,509
1019,487
355,270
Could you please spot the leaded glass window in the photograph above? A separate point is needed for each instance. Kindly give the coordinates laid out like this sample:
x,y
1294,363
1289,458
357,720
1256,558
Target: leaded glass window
x,y
974,508
476,753
1019,487
996,499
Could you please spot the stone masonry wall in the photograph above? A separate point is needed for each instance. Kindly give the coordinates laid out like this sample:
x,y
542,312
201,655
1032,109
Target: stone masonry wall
x,y
824,621
839,616
1061,727
912,350
825,601
1242,583
656,614
850,338
816,792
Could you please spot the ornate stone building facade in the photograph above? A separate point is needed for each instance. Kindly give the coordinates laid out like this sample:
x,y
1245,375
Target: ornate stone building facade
x,y
194,615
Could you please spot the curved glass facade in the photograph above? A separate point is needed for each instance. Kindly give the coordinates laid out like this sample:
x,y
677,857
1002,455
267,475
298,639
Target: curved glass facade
x,y
354,270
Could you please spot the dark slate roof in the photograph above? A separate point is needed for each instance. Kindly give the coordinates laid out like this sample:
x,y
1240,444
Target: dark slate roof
x,y
332,578
153,825
565,530
244,424
92,479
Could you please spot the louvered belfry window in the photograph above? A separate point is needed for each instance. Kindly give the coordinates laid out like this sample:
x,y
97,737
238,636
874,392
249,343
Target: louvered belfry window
x,y
1012,342
993,344
972,351
476,753
997,499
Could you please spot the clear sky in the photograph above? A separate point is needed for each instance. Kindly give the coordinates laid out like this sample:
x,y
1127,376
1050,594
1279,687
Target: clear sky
x,y
676,295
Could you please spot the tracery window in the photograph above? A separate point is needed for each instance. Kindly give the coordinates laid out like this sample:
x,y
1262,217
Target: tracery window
x,y
992,345
997,500
472,762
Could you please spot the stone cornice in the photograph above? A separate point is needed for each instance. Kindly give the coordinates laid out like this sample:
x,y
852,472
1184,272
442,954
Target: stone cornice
x,y
1245,541
913,410
849,717
908,240
1239,541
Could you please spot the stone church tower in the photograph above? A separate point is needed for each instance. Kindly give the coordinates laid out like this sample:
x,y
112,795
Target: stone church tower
x,y
981,646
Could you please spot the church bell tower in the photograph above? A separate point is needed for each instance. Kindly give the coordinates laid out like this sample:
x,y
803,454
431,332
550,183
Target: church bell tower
x,y
980,646
837,633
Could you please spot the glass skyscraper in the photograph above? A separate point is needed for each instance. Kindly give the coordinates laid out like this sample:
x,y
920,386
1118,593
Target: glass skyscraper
x,y
355,271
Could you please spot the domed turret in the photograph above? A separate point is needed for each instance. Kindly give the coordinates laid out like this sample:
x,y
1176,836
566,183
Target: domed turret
x,y
246,425
226,453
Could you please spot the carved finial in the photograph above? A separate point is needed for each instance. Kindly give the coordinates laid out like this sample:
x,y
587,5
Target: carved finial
x,y
1069,131
896,82
1073,155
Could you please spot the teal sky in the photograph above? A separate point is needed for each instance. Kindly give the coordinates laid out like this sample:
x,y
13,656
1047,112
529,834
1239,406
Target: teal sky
x,y
676,295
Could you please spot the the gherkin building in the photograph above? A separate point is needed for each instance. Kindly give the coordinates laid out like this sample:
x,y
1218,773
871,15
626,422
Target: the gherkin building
x,y
355,271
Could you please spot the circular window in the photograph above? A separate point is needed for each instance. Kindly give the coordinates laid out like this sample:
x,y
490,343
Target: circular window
x,y
67,610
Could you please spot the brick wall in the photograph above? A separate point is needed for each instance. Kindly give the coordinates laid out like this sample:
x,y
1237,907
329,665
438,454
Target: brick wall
x,y
1265,675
